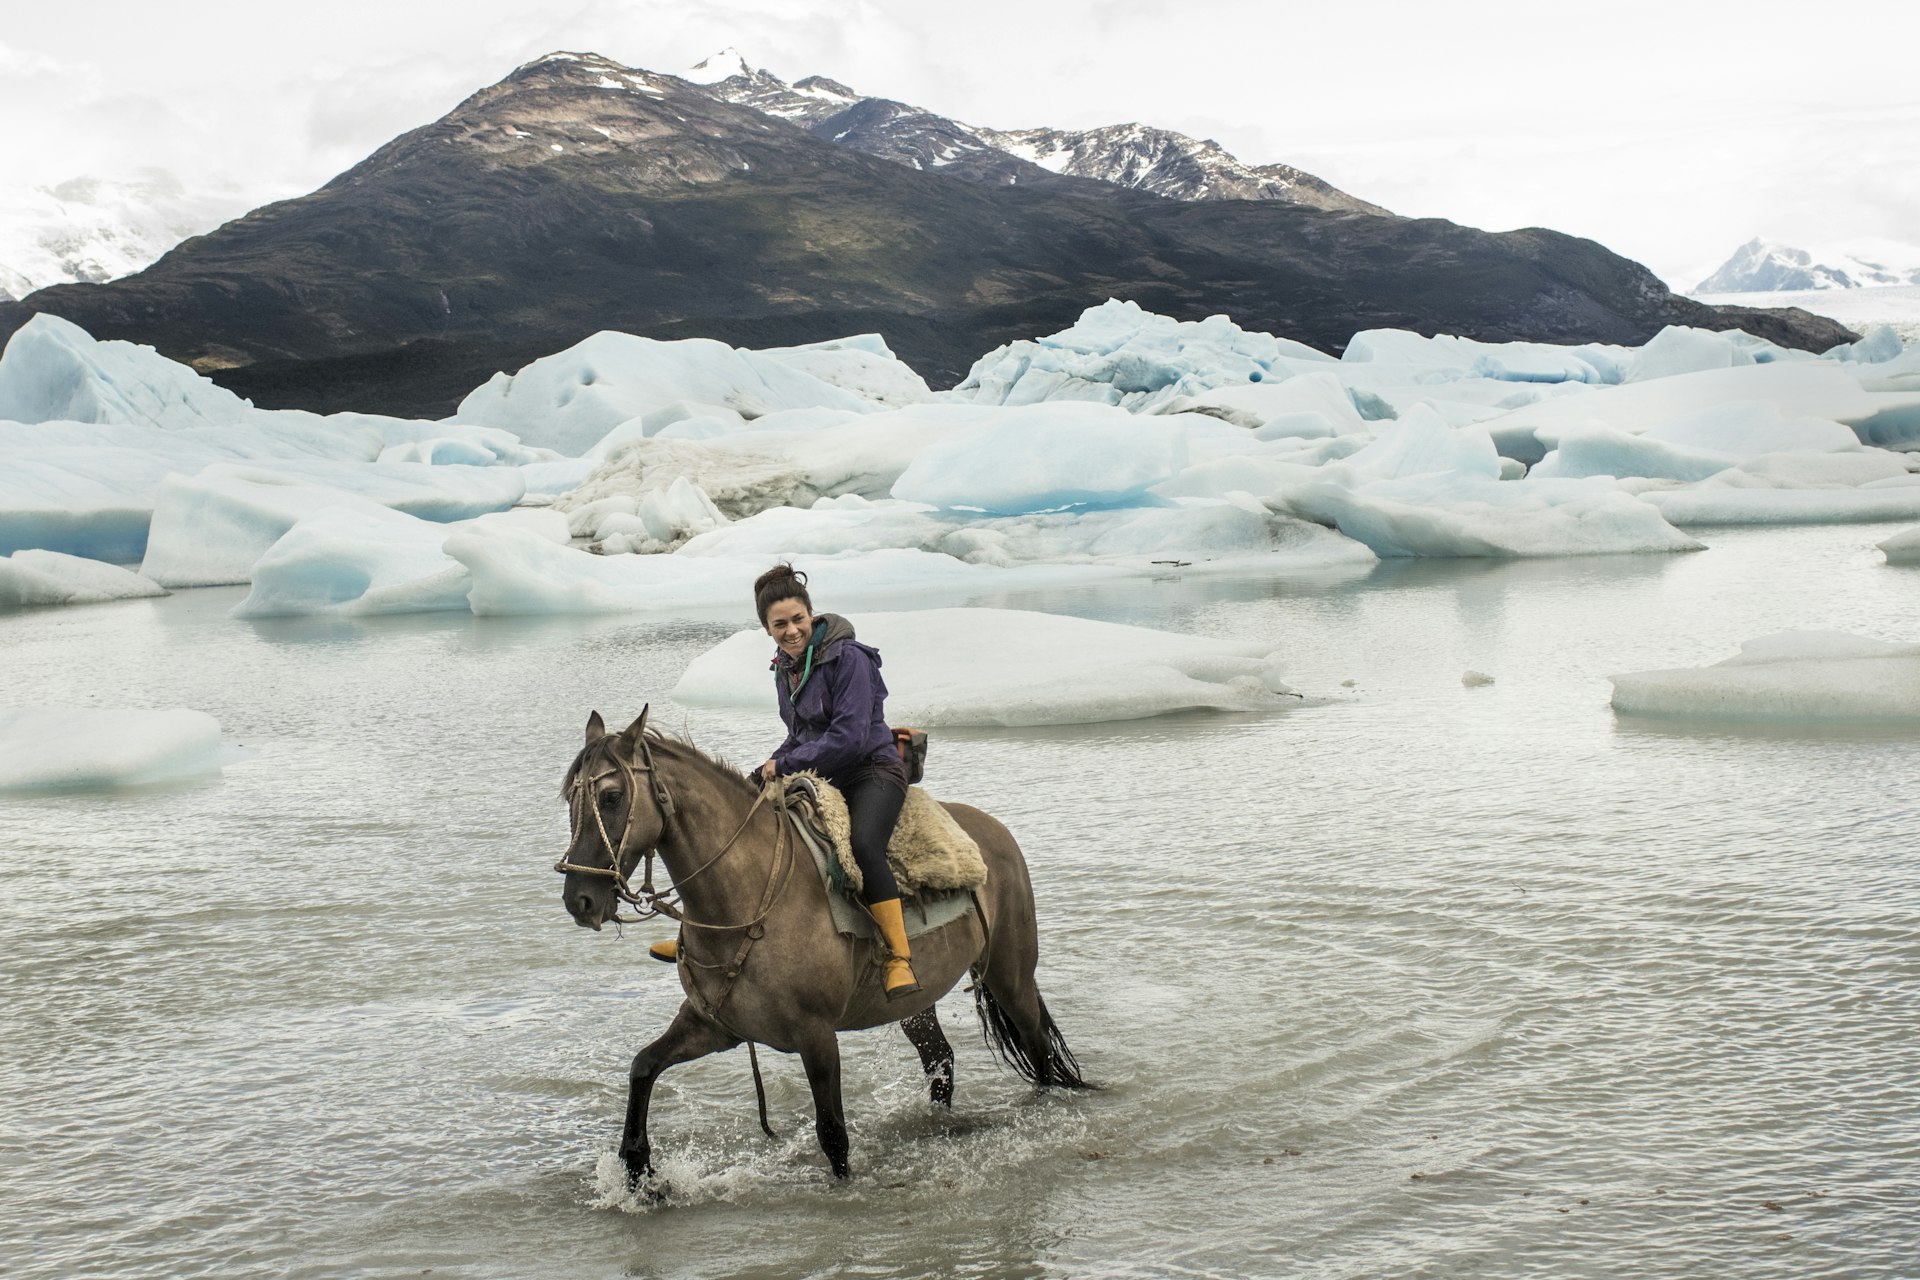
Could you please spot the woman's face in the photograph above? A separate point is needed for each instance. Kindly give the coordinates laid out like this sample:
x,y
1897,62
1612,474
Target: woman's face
x,y
790,623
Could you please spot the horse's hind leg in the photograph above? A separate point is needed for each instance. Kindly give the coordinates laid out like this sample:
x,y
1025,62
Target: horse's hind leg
x,y
689,1036
820,1055
936,1055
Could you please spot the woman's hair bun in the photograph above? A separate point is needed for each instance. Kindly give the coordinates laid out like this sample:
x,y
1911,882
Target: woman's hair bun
x,y
782,582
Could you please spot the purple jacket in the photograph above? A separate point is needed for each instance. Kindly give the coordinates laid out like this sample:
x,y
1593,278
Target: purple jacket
x,y
838,719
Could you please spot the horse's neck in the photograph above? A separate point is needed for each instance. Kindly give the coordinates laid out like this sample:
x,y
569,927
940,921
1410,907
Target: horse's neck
x,y
718,883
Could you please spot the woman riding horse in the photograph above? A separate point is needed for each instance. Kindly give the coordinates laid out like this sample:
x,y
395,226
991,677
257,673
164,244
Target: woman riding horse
x,y
833,701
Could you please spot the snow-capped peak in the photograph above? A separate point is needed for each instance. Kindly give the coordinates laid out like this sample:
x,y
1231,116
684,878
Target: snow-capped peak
x,y
1768,266
724,65
1134,155
95,229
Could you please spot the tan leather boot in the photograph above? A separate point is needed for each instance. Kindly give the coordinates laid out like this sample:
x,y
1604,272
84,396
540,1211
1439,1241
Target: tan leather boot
x,y
899,979
668,951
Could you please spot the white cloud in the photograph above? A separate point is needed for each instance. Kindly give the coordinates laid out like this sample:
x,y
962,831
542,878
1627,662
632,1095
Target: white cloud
x,y
1671,132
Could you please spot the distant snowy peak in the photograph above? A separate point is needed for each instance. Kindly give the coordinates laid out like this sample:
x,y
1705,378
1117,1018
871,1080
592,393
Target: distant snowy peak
x,y
724,65
96,229
1133,156
1766,266
1170,164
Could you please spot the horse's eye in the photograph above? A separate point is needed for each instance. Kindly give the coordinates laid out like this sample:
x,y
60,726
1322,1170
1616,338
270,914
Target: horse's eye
x,y
608,799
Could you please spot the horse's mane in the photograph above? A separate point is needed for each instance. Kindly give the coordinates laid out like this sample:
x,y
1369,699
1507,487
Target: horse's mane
x,y
679,748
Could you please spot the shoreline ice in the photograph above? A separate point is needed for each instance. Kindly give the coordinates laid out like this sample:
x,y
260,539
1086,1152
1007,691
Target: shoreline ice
x,y
1126,442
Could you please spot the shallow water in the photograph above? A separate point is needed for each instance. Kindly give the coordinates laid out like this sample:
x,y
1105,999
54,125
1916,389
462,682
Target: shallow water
x,y
1431,980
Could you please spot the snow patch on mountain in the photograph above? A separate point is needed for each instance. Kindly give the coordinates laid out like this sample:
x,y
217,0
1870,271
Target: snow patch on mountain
x,y
1136,156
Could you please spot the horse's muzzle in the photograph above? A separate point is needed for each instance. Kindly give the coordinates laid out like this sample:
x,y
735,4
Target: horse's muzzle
x,y
585,906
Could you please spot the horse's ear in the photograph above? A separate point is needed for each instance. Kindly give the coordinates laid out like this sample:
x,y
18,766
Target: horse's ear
x,y
596,728
638,727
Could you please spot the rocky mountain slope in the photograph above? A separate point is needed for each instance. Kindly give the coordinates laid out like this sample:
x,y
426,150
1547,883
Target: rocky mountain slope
x,y
1133,156
578,195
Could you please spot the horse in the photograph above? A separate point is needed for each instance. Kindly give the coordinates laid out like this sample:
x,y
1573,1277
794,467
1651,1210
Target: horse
x,y
760,959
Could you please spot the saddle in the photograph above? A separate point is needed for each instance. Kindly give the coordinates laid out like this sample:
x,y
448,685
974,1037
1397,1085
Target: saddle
x,y
937,864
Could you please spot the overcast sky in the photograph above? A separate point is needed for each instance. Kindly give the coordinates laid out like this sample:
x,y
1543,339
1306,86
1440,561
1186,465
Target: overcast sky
x,y
1669,131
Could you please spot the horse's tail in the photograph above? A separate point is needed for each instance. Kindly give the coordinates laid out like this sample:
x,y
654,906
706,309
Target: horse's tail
x,y
1046,1062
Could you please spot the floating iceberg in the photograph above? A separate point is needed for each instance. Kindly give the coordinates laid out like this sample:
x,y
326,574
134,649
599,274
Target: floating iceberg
x,y
1679,349
370,560
1806,389
570,400
210,529
1045,670
1044,457
862,364
1464,516
53,370
63,748
1903,548
1119,354
1794,676
1307,406
1423,488
88,488
1698,508
659,521
749,472
30,579
1498,361
1603,451
1236,533
514,572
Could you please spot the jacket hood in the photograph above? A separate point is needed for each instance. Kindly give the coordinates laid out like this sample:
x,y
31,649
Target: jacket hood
x,y
829,631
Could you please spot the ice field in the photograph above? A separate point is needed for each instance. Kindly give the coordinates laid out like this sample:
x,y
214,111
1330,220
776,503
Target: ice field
x,y
1123,444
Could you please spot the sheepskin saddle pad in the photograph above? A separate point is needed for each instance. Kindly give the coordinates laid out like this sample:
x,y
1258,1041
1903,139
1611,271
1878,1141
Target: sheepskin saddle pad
x,y
929,851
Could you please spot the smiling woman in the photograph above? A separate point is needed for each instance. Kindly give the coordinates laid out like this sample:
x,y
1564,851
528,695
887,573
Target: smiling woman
x,y
833,701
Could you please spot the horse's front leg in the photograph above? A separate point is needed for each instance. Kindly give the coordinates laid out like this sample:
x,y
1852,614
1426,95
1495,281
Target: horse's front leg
x,y
820,1054
689,1036
936,1054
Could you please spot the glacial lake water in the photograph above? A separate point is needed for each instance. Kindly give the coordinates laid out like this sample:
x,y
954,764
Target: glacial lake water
x,y
1428,981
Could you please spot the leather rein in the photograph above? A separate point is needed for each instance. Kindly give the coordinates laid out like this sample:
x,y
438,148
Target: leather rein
x,y
647,901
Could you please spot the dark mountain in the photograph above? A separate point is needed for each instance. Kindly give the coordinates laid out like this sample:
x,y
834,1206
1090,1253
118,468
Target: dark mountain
x,y
578,195
1134,157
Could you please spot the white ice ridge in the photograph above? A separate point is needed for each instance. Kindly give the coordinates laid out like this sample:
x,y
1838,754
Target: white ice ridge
x,y
1790,676
210,530
1044,669
32,579
71,748
516,572
570,400
371,560
1119,354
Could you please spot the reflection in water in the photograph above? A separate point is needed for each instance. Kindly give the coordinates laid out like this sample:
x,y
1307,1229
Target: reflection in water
x,y
1423,980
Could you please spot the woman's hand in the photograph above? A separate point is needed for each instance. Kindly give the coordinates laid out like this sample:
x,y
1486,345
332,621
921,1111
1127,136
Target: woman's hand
x,y
768,771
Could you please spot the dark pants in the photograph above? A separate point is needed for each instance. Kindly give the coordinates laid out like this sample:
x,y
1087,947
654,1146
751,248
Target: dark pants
x,y
875,791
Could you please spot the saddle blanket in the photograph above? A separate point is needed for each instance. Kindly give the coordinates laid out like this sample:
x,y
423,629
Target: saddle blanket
x,y
928,849
936,863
